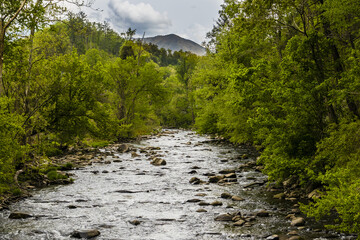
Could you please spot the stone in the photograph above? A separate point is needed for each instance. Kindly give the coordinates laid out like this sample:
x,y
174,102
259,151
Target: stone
x,y
201,210
123,148
237,198
134,155
298,222
201,194
19,215
158,162
239,223
226,195
216,203
202,203
216,179
230,175
316,194
195,180
85,234
224,218
105,171
135,222
279,196
227,171
193,200
262,213
273,237
292,233
295,238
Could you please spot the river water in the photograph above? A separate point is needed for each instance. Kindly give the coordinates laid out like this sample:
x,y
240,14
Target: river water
x,y
157,197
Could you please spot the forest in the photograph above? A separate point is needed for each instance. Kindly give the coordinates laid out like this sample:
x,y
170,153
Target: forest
x,y
283,76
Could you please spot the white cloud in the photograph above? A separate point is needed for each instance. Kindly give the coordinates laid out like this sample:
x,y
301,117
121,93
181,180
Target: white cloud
x,y
142,17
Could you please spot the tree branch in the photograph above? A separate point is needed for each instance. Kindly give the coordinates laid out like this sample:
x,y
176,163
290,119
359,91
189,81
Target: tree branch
x,y
15,15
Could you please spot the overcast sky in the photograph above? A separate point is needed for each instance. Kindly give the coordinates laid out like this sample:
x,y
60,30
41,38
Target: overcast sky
x,y
190,19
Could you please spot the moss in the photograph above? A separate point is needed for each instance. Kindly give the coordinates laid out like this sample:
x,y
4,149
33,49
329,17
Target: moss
x,y
54,175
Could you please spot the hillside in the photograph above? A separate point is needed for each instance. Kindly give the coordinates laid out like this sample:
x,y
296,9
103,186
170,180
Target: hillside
x,y
175,43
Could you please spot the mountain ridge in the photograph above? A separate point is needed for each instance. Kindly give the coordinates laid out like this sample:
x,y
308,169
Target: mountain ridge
x,y
176,43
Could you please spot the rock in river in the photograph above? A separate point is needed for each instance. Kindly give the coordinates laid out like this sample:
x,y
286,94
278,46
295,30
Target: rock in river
x,y
216,179
158,162
85,234
298,221
224,218
226,195
19,215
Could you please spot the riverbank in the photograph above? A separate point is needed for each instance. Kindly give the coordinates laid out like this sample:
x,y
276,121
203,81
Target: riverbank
x,y
174,184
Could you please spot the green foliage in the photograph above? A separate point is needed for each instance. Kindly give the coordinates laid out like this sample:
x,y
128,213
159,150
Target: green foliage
x,y
54,175
285,75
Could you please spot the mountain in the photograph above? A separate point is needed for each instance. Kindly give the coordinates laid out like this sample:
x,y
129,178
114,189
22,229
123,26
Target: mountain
x,y
175,43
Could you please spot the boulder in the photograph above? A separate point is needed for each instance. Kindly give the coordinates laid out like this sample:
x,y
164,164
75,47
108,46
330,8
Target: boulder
x,y
123,148
216,203
134,155
314,194
227,171
135,222
202,203
239,223
279,196
230,175
273,237
224,218
19,215
158,162
201,210
298,221
226,195
195,180
85,234
237,198
262,213
216,179
193,200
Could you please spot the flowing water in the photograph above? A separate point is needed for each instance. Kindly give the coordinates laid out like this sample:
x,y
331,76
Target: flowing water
x,y
157,197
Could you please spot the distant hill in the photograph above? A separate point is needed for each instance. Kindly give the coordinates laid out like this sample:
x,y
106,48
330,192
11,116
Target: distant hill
x,y
176,43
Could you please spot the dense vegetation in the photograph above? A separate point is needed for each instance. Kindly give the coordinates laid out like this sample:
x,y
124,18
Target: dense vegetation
x,y
74,83
282,75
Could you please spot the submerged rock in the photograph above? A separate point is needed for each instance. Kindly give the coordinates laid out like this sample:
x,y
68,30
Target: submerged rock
x,y
85,234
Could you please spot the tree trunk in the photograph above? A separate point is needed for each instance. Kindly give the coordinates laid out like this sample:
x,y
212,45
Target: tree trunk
x,y
2,49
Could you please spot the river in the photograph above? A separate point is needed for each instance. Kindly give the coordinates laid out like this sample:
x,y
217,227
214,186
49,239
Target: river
x,y
132,199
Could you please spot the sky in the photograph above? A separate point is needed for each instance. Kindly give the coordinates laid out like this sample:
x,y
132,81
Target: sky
x,y
190,19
